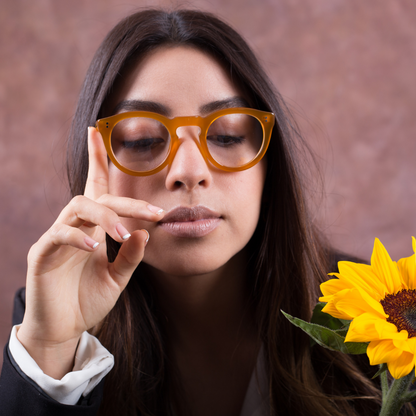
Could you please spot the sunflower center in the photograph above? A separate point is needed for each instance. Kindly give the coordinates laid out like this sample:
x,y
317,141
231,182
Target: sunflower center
x,y
401,309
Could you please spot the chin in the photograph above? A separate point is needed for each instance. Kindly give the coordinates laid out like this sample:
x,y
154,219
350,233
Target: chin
x,y
186,267
193,257
185,270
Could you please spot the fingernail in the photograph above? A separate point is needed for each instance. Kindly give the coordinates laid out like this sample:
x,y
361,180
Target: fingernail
x,y
147,239
91,130
122,232
155,210
91,243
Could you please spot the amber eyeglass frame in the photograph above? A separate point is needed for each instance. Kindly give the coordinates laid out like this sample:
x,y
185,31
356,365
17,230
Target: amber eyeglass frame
x,y
106,125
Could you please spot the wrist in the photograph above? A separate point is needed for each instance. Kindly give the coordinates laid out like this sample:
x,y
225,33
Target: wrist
x,y
55,359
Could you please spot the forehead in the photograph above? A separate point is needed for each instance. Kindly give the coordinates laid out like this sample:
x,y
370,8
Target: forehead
x,y
181,78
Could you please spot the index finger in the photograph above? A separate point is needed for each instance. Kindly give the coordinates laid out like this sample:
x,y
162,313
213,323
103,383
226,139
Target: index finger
x,y
97,180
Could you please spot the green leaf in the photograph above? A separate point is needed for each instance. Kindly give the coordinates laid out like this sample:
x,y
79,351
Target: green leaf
x,y
383,368
326,320
342,332
356,348
327,337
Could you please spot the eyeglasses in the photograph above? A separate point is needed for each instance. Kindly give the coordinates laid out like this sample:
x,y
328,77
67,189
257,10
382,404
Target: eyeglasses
x,y
142,143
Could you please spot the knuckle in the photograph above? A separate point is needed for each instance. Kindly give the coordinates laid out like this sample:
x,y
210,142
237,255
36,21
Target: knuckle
x,y
76,201
62,234
67,233
132,204
103,199
104,211
100,181
55,231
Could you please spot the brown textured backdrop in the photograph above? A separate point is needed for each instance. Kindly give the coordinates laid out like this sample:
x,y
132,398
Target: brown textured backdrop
x,y
346,67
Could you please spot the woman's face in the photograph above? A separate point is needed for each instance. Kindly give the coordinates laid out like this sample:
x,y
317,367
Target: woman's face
x,y
185,82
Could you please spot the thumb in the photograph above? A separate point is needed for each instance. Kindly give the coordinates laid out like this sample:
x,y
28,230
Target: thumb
x,y
128,258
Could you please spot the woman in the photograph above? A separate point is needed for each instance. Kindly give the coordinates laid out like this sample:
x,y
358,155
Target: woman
x,y
191,314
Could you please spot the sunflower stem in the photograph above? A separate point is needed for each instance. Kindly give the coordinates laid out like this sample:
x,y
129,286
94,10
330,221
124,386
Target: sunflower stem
x,y
396,396
384,383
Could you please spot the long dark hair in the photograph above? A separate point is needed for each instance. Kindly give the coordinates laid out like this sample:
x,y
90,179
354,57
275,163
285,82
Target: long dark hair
x,y
289,258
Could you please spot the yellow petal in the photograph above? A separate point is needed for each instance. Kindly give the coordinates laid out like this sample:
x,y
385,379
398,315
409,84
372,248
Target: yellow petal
x,y
387,330
408,344
349,308
331,309
402,366
354,302
375,305
369,327
333,286
363,276
382,352
363,329
357,302
414,244
336,295
385,268
407,268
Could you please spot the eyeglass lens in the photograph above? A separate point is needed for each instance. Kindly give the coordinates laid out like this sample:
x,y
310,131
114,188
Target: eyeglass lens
x,y
142,144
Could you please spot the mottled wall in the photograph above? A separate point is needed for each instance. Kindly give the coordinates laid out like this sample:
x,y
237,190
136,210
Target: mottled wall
x,y
346,67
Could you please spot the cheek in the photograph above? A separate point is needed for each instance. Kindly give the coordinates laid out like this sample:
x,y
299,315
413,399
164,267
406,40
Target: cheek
x,y
140,188
136,187
119,184
245,195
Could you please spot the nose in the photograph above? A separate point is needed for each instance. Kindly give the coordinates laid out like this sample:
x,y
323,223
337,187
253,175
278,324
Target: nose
x,y
188,169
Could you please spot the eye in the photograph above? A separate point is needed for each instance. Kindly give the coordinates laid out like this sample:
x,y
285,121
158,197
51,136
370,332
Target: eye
x,y
142,145
225,140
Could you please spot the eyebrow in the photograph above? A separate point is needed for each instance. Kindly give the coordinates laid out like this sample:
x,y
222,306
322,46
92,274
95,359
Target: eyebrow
x,y
222,104
142,105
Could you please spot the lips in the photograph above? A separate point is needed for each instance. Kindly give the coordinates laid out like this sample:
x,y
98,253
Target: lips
x,y
184,214
191,222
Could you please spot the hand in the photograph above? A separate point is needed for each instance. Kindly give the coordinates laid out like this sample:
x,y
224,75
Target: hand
x,y
70,285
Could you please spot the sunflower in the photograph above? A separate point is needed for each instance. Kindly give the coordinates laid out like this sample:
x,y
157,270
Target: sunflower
x,y
380,301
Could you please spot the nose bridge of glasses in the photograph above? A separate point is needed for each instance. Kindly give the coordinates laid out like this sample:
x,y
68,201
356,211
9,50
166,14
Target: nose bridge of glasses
x,y
185,134
187,126
188,131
